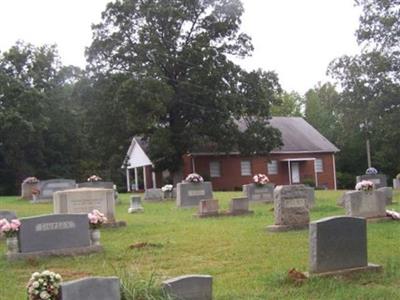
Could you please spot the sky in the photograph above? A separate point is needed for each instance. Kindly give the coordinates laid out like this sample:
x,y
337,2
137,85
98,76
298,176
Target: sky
x,y
295,38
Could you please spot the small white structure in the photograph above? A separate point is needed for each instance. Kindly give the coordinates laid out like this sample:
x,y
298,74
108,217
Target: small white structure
x,y
136,158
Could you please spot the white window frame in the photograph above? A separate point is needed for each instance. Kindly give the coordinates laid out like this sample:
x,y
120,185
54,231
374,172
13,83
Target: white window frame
x,y
319,165
244,166
272,167
215,169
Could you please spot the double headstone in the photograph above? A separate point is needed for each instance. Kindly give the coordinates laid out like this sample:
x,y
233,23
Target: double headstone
x,y
254,192
379,180
62,234
136,205
153,195
338,245
47,188
189,287
367,204
190,194
85,200
208,208
91,288
291,208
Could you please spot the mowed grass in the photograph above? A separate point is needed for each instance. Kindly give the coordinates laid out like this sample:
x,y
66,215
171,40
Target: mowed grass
x,y
245,261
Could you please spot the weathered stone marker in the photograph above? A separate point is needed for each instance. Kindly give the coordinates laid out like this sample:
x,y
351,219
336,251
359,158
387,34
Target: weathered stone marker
x,y
208,208
190,194
339,245
379,180
239,206
310,196
91,288
189,287
264,193
291,208
84,200
153,195
367,204
63,234
136,205
48,187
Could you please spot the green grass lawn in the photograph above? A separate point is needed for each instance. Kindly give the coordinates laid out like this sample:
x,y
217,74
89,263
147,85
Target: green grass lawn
x,y
245,261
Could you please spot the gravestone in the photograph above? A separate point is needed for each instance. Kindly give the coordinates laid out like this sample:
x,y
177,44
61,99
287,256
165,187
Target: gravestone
x,y
136,205
91,288
208,208
264,193
63,234
189,287
153,195
310,196
84,200
239,206
26,190
379,180
48,187
291,208
396,184
338,245
190,194
96,184
388,192
371,204
8,214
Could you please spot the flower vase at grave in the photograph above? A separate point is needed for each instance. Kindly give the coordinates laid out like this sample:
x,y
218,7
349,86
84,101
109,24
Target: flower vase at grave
x,y
12,245
95,237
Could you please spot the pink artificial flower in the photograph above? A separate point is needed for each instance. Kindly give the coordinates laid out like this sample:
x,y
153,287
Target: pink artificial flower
x,y
6,227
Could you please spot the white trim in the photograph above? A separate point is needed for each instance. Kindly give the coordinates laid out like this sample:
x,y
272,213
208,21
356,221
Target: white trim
x,y
128,182
193,165
299,159
290,173
315,174
144,178
272,152
153,177
334,172
136,180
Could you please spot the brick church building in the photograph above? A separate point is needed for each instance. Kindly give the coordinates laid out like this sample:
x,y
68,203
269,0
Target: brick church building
x,y
306,156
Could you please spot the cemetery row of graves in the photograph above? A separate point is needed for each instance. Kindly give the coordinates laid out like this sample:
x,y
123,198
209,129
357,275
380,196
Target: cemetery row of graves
x,y
201,244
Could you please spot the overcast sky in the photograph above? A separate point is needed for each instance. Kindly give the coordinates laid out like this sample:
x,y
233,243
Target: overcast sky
x,y
295,38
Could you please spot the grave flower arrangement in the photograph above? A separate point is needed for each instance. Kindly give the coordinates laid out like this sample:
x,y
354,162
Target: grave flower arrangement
x,y
9,229
96,219
94,178
365,185
260,179
31,180
45,285
194,178
167,188
371,171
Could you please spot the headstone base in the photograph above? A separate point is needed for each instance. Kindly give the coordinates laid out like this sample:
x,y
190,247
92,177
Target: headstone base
x,y
345,272
283,228
115,224
237,213
41,201
60,252
378,220
132,210
207,215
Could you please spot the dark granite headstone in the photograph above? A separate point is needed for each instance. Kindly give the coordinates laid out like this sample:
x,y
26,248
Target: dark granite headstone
x,y
190,194
379,180
91,288
338,243
189,287
8,214
53,232
48,187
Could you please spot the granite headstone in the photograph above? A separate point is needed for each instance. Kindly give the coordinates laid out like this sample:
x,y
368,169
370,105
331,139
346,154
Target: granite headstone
x,y
48,187
388,192
264,193
366,204
379,180
91,288
153,195
208,208
136,205
189,287
190,194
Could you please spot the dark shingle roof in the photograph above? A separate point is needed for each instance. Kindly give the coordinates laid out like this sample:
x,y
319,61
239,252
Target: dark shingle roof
x,y
300,136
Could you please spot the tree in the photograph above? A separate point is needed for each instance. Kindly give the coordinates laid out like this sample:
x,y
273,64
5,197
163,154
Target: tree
x,y
289,105
176,79
37,123
370,82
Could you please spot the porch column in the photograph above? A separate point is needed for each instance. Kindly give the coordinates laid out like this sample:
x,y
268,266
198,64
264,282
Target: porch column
x,y
334,172
128,181
144,178
290,172
193,165
153,177
315,174
136,180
